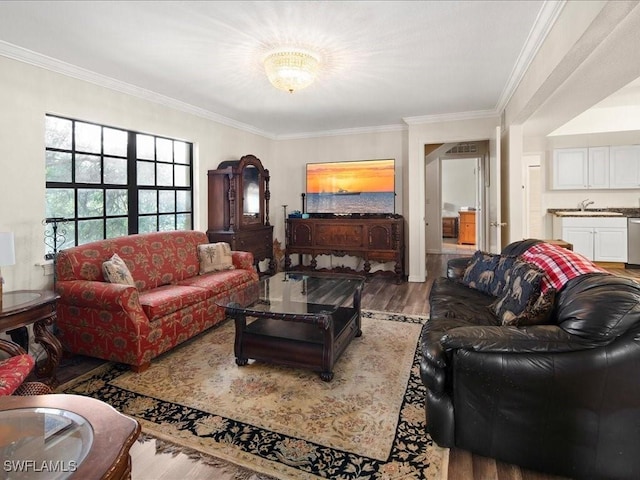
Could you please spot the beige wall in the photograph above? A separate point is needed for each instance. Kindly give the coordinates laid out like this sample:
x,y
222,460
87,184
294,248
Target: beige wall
x,y
27,93
459,182
291,156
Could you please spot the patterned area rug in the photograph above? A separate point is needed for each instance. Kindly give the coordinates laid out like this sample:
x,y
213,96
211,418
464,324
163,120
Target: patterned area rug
x,y
367,423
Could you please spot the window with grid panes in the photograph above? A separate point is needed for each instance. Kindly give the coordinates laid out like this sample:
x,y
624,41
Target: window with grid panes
x,y
108,182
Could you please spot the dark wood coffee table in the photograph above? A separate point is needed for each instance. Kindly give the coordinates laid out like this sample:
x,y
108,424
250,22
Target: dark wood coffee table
x,y
299,319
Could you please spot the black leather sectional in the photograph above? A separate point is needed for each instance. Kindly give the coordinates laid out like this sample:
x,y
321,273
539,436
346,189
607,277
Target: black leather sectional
x,y
562,397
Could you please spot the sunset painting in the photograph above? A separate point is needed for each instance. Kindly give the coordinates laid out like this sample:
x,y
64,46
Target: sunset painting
x,y
366,186
362,176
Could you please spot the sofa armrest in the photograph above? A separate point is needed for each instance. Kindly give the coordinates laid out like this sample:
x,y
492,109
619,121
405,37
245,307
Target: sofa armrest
x,y
242,260
533,339
10,348
103,296
456,268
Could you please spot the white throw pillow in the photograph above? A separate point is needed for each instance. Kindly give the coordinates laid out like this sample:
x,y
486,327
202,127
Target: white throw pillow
x,y
116,271
215,257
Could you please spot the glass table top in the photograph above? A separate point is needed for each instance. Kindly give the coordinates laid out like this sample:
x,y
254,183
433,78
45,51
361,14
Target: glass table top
x,y
42,443
15,299
305,293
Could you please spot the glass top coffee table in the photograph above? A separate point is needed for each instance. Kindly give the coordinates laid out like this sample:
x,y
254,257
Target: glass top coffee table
x,y
299,319
57,436
41,442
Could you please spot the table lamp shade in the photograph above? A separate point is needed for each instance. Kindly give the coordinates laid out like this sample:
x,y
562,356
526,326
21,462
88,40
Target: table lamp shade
x,y
7,249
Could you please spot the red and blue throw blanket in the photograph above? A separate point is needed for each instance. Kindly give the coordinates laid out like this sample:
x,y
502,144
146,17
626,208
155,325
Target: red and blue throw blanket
x,y
560,264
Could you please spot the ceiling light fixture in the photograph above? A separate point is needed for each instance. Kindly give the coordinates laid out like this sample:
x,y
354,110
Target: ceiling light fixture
x,y
291,69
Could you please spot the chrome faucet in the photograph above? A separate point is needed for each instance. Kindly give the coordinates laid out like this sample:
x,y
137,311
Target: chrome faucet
x,y
585,203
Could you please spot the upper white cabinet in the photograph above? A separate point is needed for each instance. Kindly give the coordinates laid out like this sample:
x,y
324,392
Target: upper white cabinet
x,y
598,167
624,162
580,168
570,168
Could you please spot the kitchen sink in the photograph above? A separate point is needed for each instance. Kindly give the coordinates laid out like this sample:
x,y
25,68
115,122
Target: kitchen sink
x,y
588,213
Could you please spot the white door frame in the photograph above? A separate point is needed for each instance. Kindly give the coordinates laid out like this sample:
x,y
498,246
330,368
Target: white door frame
x,y
434,167
494,195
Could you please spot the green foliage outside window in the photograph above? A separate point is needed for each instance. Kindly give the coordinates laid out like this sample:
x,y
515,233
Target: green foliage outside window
x,y
109,182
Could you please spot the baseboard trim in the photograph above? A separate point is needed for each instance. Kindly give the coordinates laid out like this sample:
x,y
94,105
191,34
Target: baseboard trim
x,y
607,265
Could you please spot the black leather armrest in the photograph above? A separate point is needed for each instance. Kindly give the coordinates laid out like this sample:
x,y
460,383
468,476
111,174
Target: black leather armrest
x,y
456,267
536,338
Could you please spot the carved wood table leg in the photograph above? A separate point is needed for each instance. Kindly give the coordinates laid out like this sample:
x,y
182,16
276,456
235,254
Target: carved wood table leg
x,y
240,320
326,325
21,308
357,298
326,376
52,346
366,267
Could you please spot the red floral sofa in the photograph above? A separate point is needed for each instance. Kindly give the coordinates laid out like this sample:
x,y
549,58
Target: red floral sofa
x,y
170,302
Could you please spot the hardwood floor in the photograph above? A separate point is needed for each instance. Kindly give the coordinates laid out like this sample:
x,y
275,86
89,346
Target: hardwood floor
x,y
378,294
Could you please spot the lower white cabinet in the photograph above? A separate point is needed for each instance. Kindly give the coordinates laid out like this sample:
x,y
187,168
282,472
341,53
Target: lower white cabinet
x,y
597,238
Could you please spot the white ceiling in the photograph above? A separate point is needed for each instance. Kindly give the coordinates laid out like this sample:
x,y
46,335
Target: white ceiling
x,y
383,61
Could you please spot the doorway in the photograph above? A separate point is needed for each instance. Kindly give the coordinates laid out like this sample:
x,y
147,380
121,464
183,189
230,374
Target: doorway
x,y
456,180
459,195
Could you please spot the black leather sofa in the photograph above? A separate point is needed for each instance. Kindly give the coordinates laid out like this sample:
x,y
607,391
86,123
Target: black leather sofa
x,y
561,398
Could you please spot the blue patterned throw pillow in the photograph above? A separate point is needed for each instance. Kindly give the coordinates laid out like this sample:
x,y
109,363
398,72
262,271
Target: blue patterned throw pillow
x,y
539,312
487,272
521,293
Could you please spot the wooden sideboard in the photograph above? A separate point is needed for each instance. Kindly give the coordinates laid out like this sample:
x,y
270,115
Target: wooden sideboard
x,y
449,227
377,239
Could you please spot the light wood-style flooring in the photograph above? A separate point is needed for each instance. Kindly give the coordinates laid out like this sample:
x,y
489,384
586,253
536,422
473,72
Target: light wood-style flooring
x,y
378,294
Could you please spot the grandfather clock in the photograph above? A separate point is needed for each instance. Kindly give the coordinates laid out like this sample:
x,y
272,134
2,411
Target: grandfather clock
x,y
238,204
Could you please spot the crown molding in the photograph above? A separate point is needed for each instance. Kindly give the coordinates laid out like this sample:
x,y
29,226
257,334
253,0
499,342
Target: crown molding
x,y
450,117
42,61
545,20
344,131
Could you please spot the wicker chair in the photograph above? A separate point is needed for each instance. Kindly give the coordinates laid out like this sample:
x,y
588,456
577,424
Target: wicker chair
x,y
14,371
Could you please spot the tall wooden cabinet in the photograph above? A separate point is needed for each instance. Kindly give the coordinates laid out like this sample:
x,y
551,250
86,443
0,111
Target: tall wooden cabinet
x,y
467,233
238,208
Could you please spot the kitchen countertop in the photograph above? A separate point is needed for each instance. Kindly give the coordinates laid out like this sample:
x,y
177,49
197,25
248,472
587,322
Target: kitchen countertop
x,y
598,212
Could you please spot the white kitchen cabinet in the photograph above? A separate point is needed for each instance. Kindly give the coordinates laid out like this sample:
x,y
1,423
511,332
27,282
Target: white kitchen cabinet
x,y
570,168
580,168
598,167
624,166
600,239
